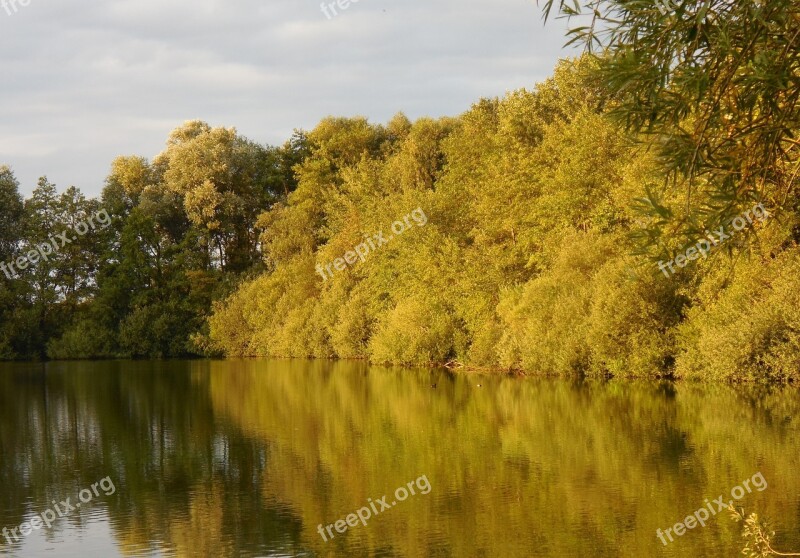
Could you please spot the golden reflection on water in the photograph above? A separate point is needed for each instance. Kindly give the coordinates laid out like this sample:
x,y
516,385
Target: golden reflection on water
x,y
248,458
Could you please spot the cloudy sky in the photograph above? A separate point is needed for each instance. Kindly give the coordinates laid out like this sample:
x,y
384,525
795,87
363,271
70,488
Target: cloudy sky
x,y
86,80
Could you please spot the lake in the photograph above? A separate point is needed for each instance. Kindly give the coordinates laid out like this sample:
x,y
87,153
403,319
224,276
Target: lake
x,y
294,458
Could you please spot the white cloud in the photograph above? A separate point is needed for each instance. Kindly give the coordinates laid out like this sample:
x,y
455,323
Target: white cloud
x,y
84,81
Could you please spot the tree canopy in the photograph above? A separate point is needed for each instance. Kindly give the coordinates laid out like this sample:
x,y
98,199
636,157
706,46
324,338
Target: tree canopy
x,y
548,216
712,86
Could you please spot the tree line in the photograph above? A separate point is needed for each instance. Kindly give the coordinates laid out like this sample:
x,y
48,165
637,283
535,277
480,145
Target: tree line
x,y
548,220
551,214
181,233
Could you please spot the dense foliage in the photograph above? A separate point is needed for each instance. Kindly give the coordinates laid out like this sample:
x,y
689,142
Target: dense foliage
x,y
528,260
712,87
180,230
533,253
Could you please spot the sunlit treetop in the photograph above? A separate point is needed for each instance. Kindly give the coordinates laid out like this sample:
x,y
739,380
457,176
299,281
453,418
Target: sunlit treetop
x,y
713,85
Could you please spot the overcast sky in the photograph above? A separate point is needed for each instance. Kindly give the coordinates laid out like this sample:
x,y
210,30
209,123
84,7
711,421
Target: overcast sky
x,y
84,81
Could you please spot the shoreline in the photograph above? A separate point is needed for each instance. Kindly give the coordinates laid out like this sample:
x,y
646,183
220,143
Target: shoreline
x,y
451,367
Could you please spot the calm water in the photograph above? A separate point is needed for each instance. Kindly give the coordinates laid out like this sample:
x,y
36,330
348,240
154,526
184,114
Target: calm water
x,y
248,458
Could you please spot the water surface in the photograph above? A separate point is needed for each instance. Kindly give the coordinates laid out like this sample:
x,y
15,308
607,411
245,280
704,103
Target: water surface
x,y
249,458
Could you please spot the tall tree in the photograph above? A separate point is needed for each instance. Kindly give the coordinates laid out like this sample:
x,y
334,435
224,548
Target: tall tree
x,y
714,87
12,291
225,181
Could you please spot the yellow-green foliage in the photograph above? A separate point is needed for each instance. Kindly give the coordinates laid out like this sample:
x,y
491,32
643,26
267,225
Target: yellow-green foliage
x,y
525,261
631,323
416,331
749,326
546,321
592,313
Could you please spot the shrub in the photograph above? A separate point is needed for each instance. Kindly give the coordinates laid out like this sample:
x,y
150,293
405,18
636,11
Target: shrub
x,y
747,326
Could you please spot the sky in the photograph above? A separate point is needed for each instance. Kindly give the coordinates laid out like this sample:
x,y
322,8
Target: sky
x,y
84,81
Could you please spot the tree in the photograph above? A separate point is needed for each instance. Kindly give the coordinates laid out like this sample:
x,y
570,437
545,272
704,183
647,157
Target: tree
x,y
225,181
12,291
11,212
713,87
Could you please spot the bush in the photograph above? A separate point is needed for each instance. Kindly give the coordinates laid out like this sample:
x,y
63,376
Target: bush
x,y
86,339
633,314
747,326
414,332
546,322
